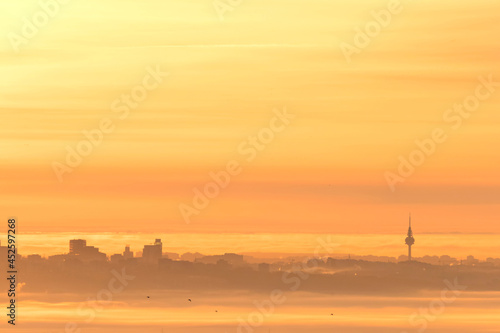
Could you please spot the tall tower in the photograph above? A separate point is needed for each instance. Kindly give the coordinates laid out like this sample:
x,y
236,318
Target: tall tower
x,y
409,240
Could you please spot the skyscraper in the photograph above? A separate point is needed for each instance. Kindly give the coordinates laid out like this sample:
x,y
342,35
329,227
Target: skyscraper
x,y
409,240
76,246
153,252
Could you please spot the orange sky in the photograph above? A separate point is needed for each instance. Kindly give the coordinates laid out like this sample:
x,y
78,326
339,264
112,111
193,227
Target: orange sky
x,y
323,173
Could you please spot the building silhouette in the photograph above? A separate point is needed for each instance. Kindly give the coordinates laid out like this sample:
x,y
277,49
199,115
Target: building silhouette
x,y
78,248
409,240
3,251
127,254
153,252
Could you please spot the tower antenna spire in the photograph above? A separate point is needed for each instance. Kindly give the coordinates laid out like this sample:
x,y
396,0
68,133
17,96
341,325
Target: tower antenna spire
x,y
409,240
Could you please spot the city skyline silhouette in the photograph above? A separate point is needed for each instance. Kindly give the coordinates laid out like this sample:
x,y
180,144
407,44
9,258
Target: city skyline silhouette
x,y
152,252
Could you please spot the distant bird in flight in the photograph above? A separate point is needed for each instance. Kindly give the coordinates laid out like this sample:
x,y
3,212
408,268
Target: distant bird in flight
x,y
189,299
331,314
147,296
216,311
